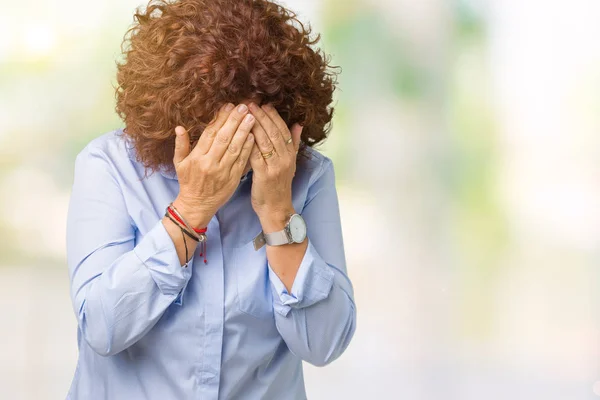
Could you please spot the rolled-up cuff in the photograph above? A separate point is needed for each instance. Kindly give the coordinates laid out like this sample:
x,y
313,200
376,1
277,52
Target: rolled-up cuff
x,y
158,253
312,284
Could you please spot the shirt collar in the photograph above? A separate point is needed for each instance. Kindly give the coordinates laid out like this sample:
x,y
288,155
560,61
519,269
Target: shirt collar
x,y
170,174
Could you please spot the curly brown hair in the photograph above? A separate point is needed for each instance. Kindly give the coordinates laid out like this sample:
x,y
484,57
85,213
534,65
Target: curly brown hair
x,y
187,58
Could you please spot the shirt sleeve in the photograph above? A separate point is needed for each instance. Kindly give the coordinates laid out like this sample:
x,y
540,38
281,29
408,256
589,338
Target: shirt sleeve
x,y
119,290
317,319
312,284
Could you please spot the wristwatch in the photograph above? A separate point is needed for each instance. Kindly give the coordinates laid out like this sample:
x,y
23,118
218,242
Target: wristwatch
x,y
294,232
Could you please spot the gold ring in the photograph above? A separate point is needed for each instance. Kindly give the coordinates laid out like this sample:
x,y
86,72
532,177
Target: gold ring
x,y
267,155
289,140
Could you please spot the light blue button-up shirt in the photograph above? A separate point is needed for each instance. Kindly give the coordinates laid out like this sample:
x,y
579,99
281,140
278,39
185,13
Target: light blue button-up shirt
x,y
227,329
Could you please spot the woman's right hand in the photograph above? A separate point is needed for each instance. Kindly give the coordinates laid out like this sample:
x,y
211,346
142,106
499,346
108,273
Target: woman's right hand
x,y
209,174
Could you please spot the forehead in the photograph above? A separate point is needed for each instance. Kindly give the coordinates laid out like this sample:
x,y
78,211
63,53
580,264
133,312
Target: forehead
x,y
256,99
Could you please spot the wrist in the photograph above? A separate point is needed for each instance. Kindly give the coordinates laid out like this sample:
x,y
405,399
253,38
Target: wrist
x,y
195,216
275,219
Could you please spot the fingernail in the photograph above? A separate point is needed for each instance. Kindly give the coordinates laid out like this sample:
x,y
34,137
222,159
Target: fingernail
x,y
250,137
229,107
179,131
248,118
242,108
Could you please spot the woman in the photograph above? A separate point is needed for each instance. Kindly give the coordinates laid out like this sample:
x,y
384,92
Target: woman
x,y
216,277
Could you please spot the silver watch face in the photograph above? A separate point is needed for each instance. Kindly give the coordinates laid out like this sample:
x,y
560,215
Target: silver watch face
x,y
297,228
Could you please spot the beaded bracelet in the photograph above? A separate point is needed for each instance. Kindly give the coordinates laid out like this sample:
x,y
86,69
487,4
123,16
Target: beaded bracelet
x,y
183,230
180,218
199,233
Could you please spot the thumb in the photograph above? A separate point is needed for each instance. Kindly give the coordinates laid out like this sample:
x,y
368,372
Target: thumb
x,y
182,145
296,133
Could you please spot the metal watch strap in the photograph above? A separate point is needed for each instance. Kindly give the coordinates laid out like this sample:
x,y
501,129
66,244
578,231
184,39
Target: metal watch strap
x,y
275,239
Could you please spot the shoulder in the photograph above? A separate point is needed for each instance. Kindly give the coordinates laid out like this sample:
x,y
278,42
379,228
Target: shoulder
x,y
112,144
314,173
109,153
111,149
315,165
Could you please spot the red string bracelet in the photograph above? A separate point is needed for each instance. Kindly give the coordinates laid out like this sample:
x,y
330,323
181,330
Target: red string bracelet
x,y
200,231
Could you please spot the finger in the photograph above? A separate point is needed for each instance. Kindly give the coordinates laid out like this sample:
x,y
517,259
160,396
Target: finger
x,y
296,134
273,132
262,139
242,160
227,131
235,146
282,128
182,145
209,133
256,159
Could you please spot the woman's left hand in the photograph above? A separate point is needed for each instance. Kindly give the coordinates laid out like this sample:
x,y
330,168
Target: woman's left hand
x,y
273,162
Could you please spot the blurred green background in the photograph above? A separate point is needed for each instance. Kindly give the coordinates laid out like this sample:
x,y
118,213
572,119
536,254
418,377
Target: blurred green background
x,y
466,144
